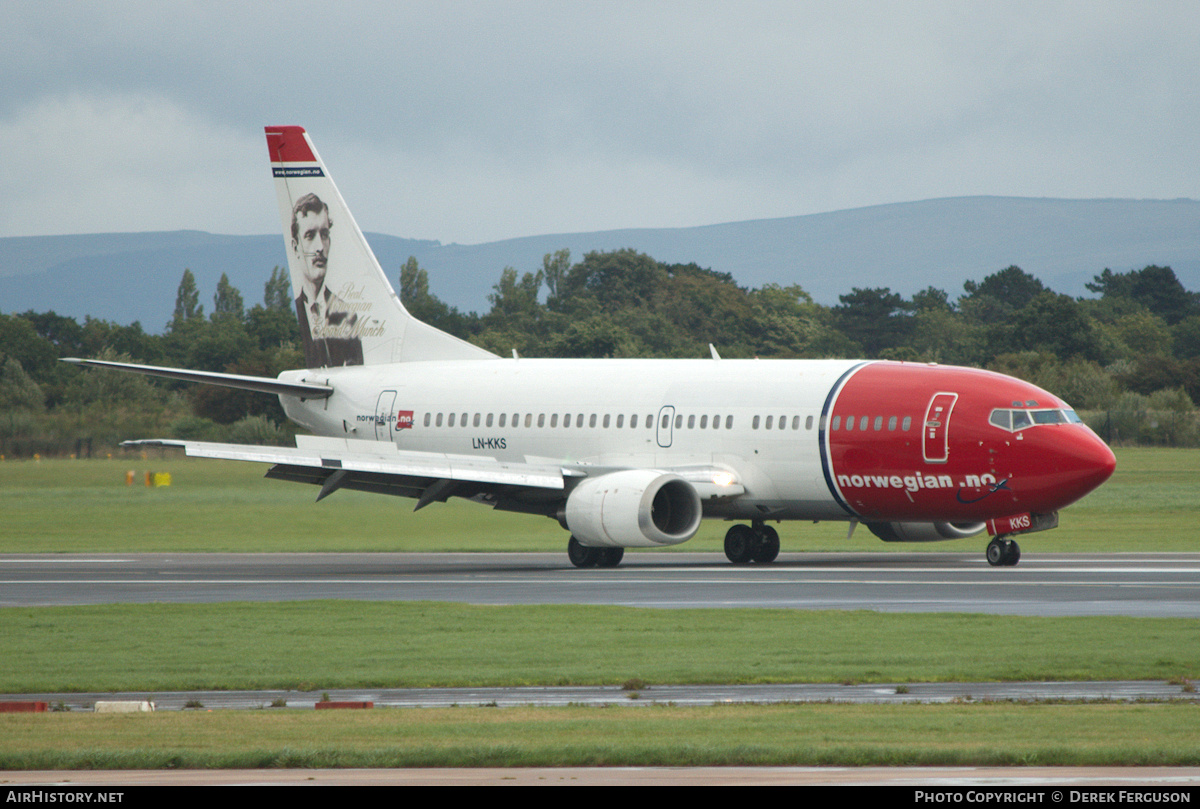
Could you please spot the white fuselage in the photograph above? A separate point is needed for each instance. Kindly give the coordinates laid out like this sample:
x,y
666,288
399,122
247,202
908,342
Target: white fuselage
x,y
622,414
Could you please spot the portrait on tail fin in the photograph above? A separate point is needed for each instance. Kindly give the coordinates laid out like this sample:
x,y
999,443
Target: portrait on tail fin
x,y
327,323
349,314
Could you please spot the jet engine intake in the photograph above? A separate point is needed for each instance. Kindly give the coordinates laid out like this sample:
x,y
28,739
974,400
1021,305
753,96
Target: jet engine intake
x,y
924,531
635,508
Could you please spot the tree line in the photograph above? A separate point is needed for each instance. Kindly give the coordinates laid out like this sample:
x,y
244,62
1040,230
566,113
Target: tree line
x,y
1121,357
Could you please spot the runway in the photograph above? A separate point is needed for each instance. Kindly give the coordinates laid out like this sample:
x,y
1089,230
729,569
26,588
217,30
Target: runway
x,y
1142,585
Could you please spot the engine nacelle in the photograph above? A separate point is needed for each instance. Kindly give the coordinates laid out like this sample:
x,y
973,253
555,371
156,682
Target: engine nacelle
x,y
924,531
636,508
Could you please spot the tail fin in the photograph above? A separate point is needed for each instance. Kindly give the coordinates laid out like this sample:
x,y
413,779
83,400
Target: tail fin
x,y
349,314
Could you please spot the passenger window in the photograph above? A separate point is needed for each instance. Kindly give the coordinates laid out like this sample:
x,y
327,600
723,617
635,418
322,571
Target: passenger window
x,y
579,420
904,425
502,418
463,421
566,420
716,422
849,422
488,422
837,422
862,423
678,422
438,423
891,424
592,420
767,426
808,423
703,422
691,422
754,423
553,420
427,417
632,421
878,423
783,422
621,421
729,422
451,422
476,420
606,421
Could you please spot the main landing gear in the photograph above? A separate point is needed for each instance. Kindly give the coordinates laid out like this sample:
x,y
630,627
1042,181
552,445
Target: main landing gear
x,y
1003,552
585,556
751,543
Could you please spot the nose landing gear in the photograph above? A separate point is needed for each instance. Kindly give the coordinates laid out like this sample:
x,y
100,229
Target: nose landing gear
x,y
1003,552
751,543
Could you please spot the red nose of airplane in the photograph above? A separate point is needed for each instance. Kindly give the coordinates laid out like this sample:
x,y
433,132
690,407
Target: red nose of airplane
x,y
1070,461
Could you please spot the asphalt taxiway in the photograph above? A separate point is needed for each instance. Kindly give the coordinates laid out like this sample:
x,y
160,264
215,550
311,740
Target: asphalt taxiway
x,y
1129,584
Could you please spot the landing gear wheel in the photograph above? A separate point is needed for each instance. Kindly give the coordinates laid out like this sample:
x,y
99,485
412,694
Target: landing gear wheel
x,y
610,557
768,545
1012,554
740,544
995,553
1003,552
581,555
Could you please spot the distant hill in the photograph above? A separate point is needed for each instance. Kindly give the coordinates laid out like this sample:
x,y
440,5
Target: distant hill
x,y
906,246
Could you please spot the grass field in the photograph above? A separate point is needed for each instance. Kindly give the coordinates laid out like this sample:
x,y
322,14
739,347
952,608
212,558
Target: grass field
x,y
314,645
662,735
63,506
85,506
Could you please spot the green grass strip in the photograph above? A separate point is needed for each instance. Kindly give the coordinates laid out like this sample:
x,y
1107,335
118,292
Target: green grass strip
x,y
314,645
1163,734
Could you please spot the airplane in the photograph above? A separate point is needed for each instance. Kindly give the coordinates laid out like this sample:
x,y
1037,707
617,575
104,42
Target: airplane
x,y
634,453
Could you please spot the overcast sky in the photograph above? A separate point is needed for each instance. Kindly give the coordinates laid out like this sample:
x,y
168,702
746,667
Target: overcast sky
x,y
476,121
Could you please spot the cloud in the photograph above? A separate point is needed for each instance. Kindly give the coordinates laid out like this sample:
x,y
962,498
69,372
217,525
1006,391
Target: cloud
x,y
481,120
93,164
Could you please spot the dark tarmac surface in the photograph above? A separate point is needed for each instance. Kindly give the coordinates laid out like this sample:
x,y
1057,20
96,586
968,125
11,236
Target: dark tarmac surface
x,y
1143,585
879,693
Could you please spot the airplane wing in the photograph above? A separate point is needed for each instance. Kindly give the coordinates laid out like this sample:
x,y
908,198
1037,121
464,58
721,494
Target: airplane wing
x,y
382,468
373,466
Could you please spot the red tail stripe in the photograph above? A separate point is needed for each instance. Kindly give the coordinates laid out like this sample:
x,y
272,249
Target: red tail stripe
x,y
287,144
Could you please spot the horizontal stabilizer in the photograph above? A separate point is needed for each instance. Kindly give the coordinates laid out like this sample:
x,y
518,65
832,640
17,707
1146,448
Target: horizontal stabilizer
x,y
262,384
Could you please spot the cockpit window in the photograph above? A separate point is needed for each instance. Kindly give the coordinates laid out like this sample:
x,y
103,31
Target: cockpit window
x,y
1014,419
